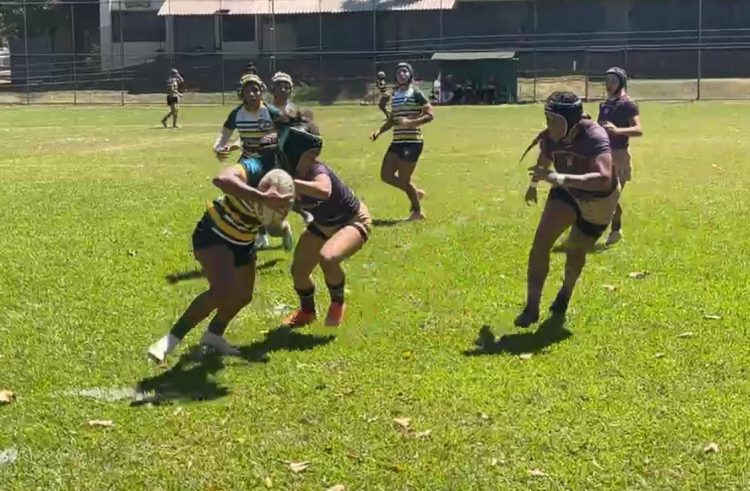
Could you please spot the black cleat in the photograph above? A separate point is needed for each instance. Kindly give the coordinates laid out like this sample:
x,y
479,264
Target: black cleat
x,y
526,318
560,305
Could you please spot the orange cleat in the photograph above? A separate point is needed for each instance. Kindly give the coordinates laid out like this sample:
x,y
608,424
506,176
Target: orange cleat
x,y
299,318
335,314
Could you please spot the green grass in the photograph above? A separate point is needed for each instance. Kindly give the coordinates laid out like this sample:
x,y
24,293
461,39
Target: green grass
x,y
98,208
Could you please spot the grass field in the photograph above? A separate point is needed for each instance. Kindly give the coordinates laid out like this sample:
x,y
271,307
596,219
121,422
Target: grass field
x,y
98,207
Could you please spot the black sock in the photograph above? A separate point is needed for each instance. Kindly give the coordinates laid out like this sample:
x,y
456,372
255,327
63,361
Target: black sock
x,y
337,292
217,327
180,329
307,300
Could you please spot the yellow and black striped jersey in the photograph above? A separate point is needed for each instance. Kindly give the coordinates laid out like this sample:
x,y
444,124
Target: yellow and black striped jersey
x,y
234,219
252,126
407,103
173,86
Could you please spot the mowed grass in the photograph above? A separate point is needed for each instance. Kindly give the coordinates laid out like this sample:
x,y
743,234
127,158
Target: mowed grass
x,y
98,208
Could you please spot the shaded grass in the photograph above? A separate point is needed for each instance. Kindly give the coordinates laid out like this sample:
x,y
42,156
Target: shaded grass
x,y
98,212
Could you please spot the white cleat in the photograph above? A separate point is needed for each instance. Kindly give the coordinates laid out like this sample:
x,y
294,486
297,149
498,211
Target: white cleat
x,y
219,344
262,241
615,236
162,348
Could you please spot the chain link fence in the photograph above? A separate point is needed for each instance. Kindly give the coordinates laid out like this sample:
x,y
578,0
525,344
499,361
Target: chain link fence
x,y
121,51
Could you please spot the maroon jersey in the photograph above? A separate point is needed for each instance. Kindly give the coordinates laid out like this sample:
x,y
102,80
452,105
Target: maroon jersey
x,y
339,208
618,111
577,157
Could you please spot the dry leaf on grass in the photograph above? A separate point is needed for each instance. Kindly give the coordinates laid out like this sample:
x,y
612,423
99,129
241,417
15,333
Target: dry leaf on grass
x,y
178,411
338,487
659,355
101,423
525,356
8,456
494,462
638,275
537,473
422,434
6,397
268,482
609,287
402,422
484,415
711,448
298,467
687,334
712,317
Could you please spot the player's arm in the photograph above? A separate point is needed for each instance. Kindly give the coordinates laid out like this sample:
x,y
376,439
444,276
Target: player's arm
x,y
386,126
542,162
221,145
233,181
318,188
600,179
633,130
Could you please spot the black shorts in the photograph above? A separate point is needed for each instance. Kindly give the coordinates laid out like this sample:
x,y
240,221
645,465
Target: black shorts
x,y
204,237
172,99
591,229
409,152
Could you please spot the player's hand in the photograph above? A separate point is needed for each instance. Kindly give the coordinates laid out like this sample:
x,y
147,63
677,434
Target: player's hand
x,y
223,153
531,196
270,139
539,173
276,201
611,128
374,135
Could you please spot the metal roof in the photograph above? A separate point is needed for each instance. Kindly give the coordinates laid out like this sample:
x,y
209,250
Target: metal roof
x,y
282,7
474,55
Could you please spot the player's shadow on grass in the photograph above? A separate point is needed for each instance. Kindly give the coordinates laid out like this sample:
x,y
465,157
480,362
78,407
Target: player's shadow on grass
x,y
388,222
550,332
195,274
190,379
282,339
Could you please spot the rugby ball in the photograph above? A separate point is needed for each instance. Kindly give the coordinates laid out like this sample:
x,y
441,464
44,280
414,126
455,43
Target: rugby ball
x,y
283,184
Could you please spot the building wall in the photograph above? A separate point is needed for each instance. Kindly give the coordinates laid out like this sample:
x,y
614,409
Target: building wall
x,y
135,53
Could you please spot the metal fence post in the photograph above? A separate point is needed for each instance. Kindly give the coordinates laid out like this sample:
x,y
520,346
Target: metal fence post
x,y
75,58
122,55
374,39
699,75
533,74
26,49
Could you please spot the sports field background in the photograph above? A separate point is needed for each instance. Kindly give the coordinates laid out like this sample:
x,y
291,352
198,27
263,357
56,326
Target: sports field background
x,y
529,90
98,207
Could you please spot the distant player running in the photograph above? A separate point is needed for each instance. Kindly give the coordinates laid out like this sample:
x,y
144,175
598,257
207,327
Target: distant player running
x,y
224,239
341,224
584,195
410,109
620,116
174,83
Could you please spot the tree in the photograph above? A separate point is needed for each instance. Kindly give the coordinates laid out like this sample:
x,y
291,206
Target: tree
x,y
43,18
